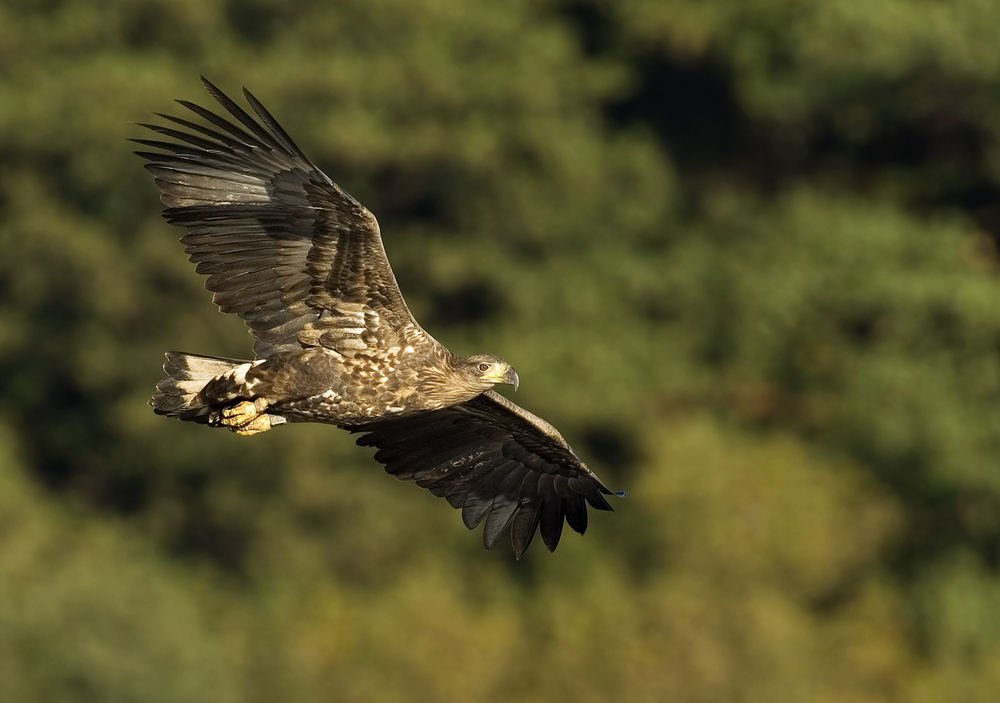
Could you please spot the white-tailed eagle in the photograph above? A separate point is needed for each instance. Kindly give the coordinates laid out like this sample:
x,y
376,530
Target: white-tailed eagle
x,y
302,263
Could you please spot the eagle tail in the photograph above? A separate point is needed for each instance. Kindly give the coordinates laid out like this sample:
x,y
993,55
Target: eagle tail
x,y
181,394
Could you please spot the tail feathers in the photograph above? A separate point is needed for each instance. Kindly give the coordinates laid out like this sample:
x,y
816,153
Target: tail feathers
x,y
180,393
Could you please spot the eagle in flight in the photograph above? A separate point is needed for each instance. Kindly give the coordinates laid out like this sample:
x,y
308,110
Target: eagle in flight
x,y
302,262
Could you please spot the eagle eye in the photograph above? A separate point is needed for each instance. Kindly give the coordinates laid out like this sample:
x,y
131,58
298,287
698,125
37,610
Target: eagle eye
x,y
484,367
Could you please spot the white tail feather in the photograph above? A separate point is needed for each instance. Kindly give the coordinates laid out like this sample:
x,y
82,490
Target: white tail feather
x,y
180,393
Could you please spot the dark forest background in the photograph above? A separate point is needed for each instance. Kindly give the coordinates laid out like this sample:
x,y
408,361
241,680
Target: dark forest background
x,y
743,254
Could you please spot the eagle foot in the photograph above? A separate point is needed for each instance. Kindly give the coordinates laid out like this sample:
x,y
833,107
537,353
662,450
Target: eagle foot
x,y
261,423
247,417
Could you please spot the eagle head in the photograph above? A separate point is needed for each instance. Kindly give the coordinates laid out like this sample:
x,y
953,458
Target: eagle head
x,y
487,370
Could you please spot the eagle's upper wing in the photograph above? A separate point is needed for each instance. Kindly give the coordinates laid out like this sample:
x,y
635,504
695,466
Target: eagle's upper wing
x,y
495,461
283,246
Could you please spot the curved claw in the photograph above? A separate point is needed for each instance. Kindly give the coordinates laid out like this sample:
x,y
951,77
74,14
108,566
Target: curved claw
x,y
247,417
261,423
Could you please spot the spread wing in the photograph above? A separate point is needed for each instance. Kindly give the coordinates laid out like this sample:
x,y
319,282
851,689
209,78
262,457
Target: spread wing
x,y
282,245
495,461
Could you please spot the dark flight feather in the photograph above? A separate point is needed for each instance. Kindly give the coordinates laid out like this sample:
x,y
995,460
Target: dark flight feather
x,y
544,478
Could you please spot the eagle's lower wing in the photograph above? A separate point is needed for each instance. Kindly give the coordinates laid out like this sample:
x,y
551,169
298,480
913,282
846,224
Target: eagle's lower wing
x,y
282,245
495,461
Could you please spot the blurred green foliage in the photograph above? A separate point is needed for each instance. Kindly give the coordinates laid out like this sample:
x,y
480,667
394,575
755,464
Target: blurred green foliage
x,y
742,253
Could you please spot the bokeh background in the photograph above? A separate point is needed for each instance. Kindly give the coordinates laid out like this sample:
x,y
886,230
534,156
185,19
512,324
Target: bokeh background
x,y
742,252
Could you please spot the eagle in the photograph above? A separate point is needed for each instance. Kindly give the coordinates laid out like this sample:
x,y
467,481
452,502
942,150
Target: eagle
x,y
302,263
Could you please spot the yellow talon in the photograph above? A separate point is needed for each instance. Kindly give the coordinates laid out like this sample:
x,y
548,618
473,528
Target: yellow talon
x,y
242,413
261,423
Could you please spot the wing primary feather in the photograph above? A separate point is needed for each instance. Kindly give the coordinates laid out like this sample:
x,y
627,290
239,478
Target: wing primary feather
x,y
524,526
597,501
182,136
224,139
497,521
179,149
475,510
245,139
272,124
241,114
576,513
551,521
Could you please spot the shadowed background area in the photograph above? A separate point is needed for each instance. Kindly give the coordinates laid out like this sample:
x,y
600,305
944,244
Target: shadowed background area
x,y
742,254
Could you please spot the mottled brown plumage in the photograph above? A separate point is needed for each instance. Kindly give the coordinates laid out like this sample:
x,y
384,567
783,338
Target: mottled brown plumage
x,y
302,263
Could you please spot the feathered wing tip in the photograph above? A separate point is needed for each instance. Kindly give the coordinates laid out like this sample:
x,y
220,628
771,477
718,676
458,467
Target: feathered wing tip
x,y
228,159
547,514
178,394
503,468
276,138
495,494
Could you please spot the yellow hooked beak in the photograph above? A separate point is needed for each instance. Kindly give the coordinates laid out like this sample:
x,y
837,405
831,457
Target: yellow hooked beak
x,y
507,375
511,377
